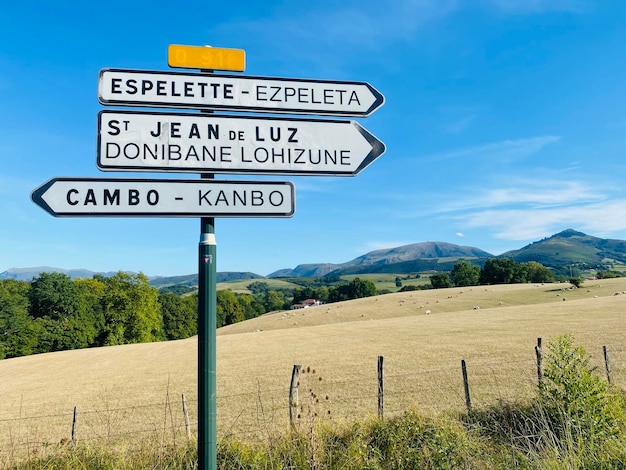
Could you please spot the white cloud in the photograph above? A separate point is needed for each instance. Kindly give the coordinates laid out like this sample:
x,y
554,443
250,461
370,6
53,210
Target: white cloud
x,y
542,193
530,209
532,193
503,150
460,234
534,223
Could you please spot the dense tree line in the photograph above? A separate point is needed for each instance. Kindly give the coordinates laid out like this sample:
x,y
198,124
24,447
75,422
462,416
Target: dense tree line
x,y
233,308
494,271
55,312
283,299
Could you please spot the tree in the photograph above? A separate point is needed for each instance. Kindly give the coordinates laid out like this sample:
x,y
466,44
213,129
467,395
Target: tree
x,y
398,282
178,289
359,288
537,272
131,309
17,332
53,295
252,308
61,316
355,289
258,287
229,310
322,293
273,300
576,281
91,292
180,315
440,280
607,274
301,294
464,274
498,271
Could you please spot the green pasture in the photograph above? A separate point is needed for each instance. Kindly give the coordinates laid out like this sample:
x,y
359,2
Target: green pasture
x,y
382,281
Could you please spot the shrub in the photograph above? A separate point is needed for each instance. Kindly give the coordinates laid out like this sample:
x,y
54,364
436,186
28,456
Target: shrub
x,y
575,420
412,442
577,401
576,281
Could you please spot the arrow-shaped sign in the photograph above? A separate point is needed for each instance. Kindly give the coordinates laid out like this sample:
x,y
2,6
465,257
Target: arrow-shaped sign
x,y
93,197
199,143
238,93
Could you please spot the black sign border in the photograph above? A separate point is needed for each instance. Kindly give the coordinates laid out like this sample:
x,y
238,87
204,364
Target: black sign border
x,y
378,102
378,148
37,198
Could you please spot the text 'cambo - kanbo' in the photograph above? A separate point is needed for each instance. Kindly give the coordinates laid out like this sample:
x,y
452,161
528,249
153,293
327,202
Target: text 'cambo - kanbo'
x,y
151,197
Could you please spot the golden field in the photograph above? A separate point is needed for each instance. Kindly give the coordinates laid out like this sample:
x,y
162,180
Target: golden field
x,y
135,390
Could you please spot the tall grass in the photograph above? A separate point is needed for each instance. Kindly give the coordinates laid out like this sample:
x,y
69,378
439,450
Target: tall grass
x,y
574,420
147,455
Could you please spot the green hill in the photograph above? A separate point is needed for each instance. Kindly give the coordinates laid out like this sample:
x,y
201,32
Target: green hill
x,y
570,247
416,257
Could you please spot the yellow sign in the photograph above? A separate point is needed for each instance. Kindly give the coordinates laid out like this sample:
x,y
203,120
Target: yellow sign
x,y
208,58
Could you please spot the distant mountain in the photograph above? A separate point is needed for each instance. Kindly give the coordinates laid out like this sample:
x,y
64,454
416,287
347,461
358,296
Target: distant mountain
x,y
406,267
566,248
403,259
306,270
415,251
27,274
192,279
571,247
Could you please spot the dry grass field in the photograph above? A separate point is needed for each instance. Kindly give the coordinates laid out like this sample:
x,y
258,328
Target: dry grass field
x,y
135,390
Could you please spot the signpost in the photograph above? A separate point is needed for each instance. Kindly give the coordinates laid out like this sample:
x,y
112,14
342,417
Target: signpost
x,y
226,144
208,144
238,93
95,197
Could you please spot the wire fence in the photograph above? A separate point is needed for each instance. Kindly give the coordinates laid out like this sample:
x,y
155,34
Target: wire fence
x,y
261,412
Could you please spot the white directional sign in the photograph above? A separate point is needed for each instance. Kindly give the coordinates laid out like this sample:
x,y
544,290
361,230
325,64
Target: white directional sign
x,y
243,93
164,198
225,144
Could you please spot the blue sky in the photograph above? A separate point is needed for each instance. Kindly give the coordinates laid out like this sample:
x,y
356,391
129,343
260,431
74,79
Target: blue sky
x,y
504,122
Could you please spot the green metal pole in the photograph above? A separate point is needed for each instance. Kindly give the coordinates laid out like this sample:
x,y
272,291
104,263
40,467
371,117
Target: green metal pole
x,y
207,332
207,351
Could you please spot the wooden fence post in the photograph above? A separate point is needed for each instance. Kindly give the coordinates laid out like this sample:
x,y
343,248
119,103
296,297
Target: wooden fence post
x,y
74,424
539,354
381,387
186,415
293,394
468,401
607,363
